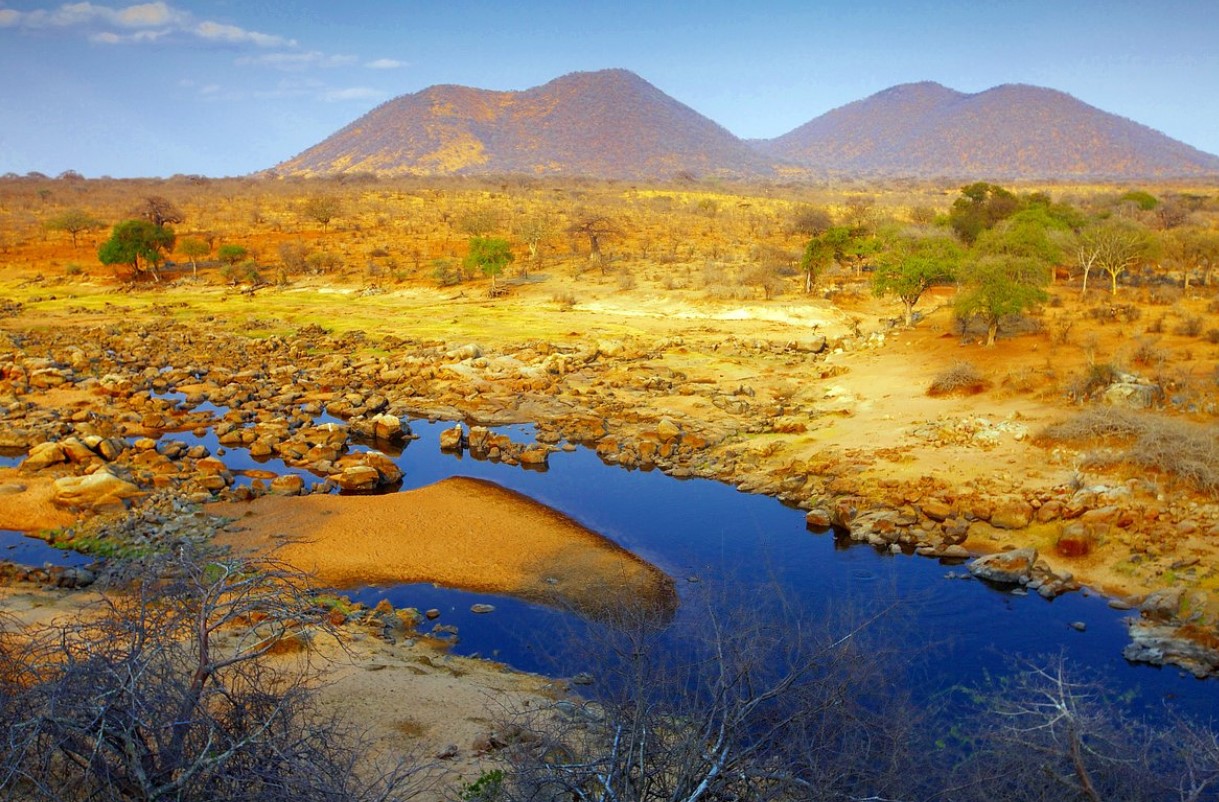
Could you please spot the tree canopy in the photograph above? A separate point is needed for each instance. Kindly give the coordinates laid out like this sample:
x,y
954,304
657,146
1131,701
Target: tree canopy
x,y
139,243
913,265
490,255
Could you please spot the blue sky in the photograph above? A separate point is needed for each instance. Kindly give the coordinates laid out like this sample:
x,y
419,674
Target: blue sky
x,y
232,86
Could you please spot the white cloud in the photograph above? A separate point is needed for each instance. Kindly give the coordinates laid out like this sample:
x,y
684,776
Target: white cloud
x,y
352,93
231,34
142,22
297,61
386,64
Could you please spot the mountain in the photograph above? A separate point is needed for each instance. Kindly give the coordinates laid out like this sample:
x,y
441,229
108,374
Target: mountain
x,y
1010,131
606,124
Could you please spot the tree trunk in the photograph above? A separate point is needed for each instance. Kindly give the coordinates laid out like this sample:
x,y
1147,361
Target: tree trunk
x,y
909,307
992,331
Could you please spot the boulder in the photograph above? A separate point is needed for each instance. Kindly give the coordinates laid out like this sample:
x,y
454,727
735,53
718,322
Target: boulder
x,y
287,485
452,439
667,431
935,509
389,428
357,477
96,490
44,455
818,519
1012,513
1012,567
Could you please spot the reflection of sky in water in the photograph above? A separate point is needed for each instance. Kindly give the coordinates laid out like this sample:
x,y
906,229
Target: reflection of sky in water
x,y
746,551
19,548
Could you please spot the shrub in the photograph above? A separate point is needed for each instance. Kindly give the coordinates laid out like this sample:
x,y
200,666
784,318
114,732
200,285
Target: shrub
x,y
1179,449
962,378
1190,326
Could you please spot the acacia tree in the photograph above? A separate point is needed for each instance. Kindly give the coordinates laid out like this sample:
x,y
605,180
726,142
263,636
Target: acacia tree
x,y
194,248
139,243
1113,246
980,207
533,231
819,254
914,265
595,228
159,211
322,209
997,285
490,255
74,222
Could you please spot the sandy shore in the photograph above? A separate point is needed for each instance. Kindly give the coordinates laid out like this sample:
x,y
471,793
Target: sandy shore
x,y
460,532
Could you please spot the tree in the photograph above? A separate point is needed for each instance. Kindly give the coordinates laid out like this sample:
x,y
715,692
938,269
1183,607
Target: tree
x,y
914,265
980,207
818,255
74,221
167,694
490,255
1195,249
232,254
596,228
159,211
806,220
533,231
134,241
194,248
322,209
1113,246
997,285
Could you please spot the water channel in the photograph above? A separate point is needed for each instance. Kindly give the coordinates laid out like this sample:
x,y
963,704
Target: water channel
x,y
707,535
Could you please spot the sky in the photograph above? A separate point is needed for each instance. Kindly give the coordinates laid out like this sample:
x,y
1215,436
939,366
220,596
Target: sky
x,y
229,87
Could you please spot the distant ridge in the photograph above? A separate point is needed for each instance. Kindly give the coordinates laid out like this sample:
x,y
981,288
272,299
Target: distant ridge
x,y
614,124
1010,131
606,124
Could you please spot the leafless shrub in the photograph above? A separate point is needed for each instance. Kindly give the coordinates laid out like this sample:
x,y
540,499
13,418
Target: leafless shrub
x,y
1180,449
1190,326
1048,736
961,378
739,707
1148,353
170,692
566,301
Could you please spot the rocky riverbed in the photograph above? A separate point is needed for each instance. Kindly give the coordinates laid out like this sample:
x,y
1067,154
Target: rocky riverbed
x,y
93,411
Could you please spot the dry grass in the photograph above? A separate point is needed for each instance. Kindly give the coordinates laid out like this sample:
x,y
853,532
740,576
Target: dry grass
x,y
1180,449
961,378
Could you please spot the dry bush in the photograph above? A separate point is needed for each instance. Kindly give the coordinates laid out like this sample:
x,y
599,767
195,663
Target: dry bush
x,y
961,378
1190,327
1148,353
1180,449
564,300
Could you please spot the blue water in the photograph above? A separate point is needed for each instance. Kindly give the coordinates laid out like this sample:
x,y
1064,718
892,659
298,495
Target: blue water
x,y
708,535
737,548
22,549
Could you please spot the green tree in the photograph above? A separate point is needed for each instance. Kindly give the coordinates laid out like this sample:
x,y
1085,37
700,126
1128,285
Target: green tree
x,y
819,254
980,207
139,243
997,285
232,254
490,255
194,248
74,222
914,265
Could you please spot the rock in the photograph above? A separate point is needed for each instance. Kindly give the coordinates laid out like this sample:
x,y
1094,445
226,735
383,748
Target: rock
x,y
1011,514
1079,626
482,608
1133,395
955,551
935,509
1163,604
534,456
667,431
432,614
11,488
1160,644
389,428
452,439
1013,567
818,519
44,455
287,485
100,489
357,477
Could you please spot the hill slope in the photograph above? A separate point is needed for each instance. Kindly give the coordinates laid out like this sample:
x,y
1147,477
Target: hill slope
x,y
1010,131
606,124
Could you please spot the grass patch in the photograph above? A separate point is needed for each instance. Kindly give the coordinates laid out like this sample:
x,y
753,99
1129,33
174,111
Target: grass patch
x,y
1180,449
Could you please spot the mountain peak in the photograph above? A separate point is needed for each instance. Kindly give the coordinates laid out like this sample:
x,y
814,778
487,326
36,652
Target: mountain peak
x,y
1009,131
